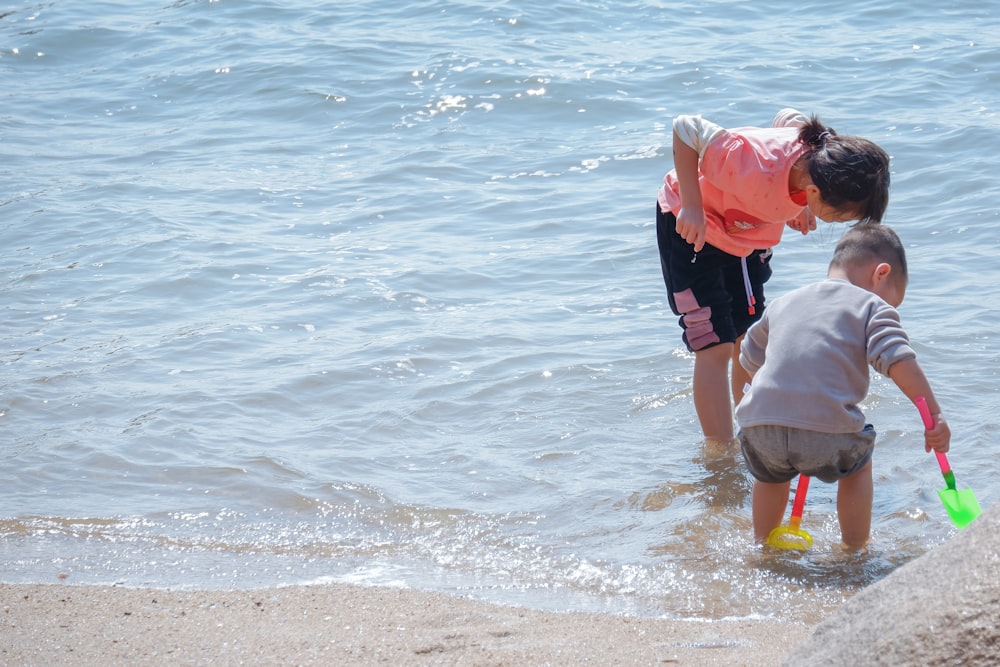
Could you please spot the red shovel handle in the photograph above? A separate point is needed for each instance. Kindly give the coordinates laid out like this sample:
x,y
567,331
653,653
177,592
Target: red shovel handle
x,y
800,496
925,414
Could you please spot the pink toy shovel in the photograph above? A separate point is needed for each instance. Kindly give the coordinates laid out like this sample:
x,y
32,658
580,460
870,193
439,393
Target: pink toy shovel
x,y
962,505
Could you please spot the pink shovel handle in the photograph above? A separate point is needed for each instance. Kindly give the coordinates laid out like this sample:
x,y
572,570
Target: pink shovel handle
x,y
925,414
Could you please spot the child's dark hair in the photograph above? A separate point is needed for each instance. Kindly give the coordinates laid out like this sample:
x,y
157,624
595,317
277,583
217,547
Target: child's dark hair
x,y
851,172
868,243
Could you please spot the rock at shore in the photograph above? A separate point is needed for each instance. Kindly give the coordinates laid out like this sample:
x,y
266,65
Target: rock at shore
x,y
940,609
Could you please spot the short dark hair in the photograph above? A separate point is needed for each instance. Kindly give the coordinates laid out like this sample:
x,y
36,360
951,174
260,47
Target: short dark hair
x,y
871,242
850,172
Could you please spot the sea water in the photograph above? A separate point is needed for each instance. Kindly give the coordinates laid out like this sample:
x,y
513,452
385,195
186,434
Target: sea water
x,y
368,292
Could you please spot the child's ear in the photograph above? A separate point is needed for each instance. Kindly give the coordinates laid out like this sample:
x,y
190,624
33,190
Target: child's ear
x,y
882,271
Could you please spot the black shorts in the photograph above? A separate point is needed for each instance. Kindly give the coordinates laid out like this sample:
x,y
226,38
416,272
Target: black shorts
x,y
707,289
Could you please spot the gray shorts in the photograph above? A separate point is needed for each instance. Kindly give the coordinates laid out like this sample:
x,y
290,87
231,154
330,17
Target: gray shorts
x,y
776,454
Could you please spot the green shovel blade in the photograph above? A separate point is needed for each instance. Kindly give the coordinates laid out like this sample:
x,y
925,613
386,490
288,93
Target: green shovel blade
x,y
962,506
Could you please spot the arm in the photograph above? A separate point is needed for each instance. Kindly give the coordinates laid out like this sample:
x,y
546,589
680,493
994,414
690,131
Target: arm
x,y
692,134
753,348
889,353
805,222
789,117
909,377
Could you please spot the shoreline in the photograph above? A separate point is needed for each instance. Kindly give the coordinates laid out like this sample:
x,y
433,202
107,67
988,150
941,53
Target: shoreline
x,y
65,624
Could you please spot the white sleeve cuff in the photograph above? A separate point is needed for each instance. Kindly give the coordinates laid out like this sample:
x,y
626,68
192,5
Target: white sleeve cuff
x,y
789,118
696,132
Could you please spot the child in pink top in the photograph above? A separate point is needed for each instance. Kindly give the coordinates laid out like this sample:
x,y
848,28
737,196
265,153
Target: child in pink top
x,y
723,207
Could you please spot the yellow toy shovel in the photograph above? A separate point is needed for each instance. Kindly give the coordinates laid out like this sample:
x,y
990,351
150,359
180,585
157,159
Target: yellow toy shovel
x,y
962,505
791,536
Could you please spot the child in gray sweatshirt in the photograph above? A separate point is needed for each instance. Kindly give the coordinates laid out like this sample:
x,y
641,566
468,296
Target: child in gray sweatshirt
x,y
808,357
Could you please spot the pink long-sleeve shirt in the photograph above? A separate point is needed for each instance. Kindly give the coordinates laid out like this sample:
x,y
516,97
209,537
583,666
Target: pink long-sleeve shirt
x,y
743,174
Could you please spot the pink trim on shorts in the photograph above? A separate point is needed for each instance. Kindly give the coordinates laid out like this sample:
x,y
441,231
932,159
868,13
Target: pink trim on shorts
x,y
696,320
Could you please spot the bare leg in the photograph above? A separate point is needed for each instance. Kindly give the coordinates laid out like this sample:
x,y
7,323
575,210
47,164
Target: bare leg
x,y
769,502
740,376
854,508
711,392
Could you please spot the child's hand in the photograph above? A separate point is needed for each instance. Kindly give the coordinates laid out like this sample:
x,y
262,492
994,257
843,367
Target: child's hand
x,y
691,226
939,438
805,223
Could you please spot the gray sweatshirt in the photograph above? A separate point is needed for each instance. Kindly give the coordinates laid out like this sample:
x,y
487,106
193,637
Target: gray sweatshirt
x,y
810,354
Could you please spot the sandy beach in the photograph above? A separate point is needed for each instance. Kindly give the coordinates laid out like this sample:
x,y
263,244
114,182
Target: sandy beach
x,y
348,625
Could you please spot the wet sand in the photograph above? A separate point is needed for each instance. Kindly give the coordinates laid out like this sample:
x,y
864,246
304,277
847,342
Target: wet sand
x,y
349,625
